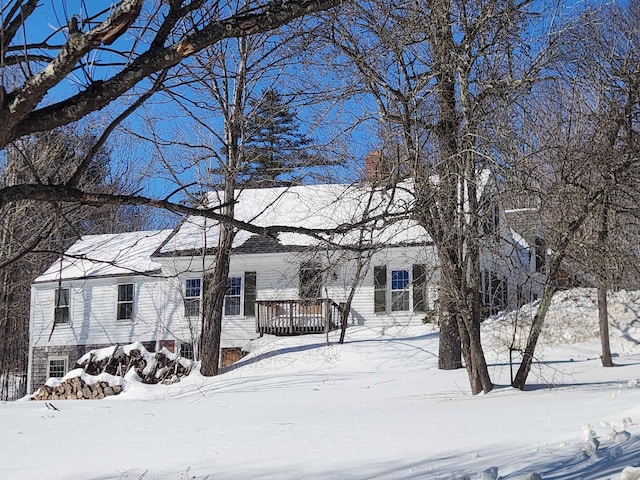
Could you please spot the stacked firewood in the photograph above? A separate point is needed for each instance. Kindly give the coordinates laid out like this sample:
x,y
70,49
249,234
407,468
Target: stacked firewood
x,y
77,389
151,368
160,367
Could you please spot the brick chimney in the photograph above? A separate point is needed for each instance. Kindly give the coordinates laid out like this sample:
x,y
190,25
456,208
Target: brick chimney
x,y
376,168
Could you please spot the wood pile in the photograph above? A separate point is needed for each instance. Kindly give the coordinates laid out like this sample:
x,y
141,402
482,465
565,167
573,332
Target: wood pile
x,y
118,363
160,367
76,389
151,368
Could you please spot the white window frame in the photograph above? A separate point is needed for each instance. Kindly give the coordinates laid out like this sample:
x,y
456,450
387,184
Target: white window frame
x,y
187,346
404,291
239,296
123,302
57,358
57,307
192,299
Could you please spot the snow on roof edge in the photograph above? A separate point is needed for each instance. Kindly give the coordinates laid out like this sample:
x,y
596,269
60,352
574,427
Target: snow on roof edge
x,y
107,255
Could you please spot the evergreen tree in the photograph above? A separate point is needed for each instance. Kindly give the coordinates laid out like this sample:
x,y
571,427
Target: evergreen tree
x,y
276,151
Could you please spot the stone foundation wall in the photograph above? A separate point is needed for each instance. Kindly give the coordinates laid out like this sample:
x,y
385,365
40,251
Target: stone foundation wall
x,y
40,365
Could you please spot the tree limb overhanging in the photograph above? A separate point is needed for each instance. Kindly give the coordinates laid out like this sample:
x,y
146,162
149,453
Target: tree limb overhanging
x,y
63,193
21,110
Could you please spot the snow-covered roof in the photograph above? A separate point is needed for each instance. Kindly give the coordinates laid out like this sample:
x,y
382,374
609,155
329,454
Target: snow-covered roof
x,y
320,207
107,255
307,206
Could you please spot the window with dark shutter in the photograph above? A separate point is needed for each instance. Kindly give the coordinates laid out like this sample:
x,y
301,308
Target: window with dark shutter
x,y
380,289
399,290
249,294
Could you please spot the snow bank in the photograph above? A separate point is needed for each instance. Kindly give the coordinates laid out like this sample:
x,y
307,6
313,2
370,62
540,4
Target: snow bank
x,y
375,407
629,473
572,319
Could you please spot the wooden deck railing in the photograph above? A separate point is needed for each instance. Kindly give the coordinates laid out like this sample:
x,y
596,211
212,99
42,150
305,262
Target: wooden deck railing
x,y
297,317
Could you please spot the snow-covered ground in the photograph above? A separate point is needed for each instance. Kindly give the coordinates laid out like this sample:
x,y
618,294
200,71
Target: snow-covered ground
x,y
374,408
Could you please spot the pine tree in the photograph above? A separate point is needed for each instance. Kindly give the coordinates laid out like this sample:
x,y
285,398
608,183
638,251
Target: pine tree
x,y
276,151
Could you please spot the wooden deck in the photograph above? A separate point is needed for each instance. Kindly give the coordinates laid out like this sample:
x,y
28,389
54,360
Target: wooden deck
x,y
297,317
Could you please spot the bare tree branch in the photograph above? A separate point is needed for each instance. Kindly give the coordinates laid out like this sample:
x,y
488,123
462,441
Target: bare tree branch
x,y
20,116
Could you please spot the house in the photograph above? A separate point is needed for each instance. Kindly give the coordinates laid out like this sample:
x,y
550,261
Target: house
x,y
106,289
147,286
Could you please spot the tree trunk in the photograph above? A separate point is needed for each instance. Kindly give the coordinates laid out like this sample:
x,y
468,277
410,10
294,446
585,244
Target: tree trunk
x,y
449,349
477,369
603,320
213,291
550,287
479,378
532,340
449,171
603,285
346,307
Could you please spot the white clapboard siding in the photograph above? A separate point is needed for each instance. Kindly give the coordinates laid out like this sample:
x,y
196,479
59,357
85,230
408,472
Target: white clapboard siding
x,y
159,301
362,307
93,312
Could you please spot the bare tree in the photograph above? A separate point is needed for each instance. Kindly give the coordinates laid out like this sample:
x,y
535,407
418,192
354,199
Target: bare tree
x,y
591,145
222,98
220,82
108,54
440,72
171,32
608,72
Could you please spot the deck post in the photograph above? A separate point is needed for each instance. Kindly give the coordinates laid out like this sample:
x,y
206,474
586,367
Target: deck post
x,y
326,316
291,318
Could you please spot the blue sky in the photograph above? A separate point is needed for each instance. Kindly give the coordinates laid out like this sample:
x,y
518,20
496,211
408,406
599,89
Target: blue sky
x,y
337,127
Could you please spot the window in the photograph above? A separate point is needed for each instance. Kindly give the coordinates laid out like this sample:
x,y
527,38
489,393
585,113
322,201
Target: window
x,y
149,346
125,302
406,287
310,281
399,290
57,367
233,296
186,351
493,292
192,297
61,311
